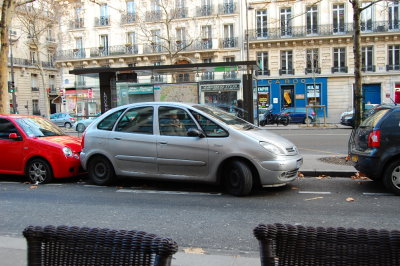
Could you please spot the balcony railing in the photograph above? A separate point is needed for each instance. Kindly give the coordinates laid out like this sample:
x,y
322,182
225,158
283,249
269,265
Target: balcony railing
x,y
157,78
35,88
71,54
204,11
113,50
101,21
339,69
153,16
370,68
229,42
392,67
29,62
273,33
50,40
207,76
181,12
263,72
128,18
76,24
227,8
315,70
284,71
153,49
230,75
203,44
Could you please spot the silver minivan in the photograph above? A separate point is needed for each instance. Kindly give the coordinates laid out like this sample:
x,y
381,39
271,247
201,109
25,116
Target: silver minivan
x,y
188,142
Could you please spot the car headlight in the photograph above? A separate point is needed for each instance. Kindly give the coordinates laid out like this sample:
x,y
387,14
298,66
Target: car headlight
x,y
272,148
67,152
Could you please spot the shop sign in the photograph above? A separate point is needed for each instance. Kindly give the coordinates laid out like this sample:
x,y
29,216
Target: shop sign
x,y
220,87
263,89
141,90
299,96
311,92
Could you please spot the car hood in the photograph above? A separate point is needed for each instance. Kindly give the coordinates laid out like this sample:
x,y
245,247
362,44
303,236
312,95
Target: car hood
x,y
74,143
268,136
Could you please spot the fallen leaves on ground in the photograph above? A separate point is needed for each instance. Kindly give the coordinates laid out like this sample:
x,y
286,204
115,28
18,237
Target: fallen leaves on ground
x,y
300,175
359,175
294,188
322,176
33,187
315,198
194,250
350,199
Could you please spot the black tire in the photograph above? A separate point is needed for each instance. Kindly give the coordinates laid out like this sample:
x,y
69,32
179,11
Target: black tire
x,y
391,178
80,128
309,119
101,171
68,125
285,120
238,179
38,171
262,123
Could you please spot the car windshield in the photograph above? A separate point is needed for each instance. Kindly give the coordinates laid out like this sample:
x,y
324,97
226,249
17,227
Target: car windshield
x,y
39,127
372,120
225,117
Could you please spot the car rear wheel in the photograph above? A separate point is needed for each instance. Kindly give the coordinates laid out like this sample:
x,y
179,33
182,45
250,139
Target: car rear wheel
x,y
80,128
101,171
68,125
391,179
285,120
307,120
38,171
238,178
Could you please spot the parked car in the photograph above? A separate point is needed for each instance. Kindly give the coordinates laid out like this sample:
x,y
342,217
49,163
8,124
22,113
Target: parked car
x,y
62,119
375,147
188,142
82,124
347,117
34,146
298,114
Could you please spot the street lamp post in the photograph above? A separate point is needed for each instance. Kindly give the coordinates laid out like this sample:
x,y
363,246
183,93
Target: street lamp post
x,y
247,78
14,100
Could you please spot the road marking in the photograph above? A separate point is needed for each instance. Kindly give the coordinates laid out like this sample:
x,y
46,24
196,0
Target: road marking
x,y
166,192
377,194
328,152
315,192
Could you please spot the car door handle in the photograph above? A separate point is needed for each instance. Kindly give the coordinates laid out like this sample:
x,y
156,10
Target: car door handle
x,y
117,138
163,142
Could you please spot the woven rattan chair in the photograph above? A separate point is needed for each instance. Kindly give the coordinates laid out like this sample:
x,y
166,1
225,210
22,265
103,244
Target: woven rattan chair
x,y
65,245
298,245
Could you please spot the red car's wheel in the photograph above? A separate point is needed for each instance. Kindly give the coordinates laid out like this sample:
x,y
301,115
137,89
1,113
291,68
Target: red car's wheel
x,y
38,171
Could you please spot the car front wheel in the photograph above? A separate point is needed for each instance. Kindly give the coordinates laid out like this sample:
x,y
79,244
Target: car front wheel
x,y
38,171
391,178
67,125
238,178
307,120
101,171
80,128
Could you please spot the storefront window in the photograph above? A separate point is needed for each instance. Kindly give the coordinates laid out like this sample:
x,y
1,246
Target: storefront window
x,y
263,96
313,94
287,96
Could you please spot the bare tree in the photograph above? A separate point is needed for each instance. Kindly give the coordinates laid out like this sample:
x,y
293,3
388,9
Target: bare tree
x,y
7,13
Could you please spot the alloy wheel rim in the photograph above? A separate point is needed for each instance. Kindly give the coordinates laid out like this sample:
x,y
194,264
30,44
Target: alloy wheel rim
x,y
38,172
396,177
100,170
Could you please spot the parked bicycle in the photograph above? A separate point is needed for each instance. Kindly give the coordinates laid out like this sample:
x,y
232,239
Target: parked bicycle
x,y
269,118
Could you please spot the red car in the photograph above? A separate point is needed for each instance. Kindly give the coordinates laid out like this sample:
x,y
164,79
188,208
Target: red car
x,y
35,147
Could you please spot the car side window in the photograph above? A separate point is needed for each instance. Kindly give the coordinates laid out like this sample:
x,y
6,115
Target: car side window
x,y
109,122
6,127
392,122
174,121
137,120
210,128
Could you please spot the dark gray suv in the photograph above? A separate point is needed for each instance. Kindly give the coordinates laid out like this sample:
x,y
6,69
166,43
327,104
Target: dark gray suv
x,y
375,148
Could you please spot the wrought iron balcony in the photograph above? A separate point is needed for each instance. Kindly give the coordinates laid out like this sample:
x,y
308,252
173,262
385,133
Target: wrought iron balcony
x,y
157,78
203,44
263,72
153,49
309,70
181,12
392,67
71,54
29,62
204,11
229,42
230,75
181,45
77,23
320,30
153,16
50,40
34,88
284,71
114,50
207,76
227,8
339,69
128,18
102,21
370,68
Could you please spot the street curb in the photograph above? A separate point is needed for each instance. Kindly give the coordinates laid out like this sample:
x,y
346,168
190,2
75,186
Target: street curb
x,y
331,173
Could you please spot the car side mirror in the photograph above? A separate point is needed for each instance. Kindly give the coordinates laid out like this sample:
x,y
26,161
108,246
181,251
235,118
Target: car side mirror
x,y
194,132
13,136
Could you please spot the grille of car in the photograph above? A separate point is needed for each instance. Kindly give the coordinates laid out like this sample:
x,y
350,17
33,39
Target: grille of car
x,y
291,174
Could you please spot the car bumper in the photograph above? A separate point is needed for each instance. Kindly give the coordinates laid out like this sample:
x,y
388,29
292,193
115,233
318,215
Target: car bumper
x,y
279,172
367,165
69,167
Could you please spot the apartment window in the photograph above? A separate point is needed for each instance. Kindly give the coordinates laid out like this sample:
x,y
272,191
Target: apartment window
x,y
34,82
261,20
229,7
52,82
394,57
339,60
312,61
262,60
229,40
394,15
130,7
180,38
180,3
207,75
206,7
286,63
50,58
157,78
131,38
78,51
338,18
155,6
35,107
367,54
366,17
312,20
103,46
32,56
156,40
229,74
286,21
50,35
103,20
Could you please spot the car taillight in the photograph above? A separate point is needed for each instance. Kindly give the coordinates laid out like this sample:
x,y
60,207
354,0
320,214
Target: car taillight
x,y
83,140
72,119
312,113
285,113
374,138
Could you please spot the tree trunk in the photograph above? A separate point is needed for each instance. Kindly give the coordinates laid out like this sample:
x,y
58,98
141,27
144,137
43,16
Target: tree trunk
x,y
7,10
358,97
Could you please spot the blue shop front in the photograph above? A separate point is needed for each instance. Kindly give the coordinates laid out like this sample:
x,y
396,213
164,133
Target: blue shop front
x,y
292,92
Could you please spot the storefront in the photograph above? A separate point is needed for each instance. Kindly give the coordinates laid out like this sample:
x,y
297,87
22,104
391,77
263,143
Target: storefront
x,y
219,93
295,92
82,102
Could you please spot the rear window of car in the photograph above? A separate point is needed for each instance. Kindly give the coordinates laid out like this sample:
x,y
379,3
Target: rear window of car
x,y
372,120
